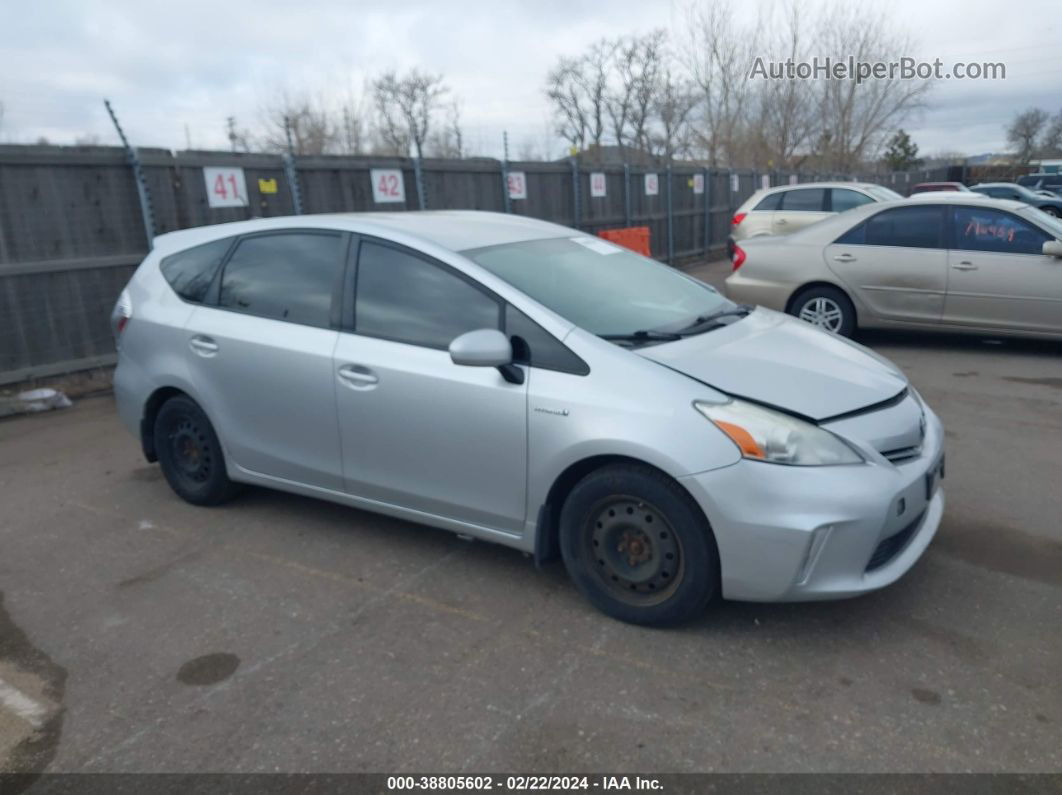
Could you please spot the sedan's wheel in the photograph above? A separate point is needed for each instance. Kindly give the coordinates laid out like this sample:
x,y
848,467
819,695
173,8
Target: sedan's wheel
x,y
826,308
190,454
1052,211
637,546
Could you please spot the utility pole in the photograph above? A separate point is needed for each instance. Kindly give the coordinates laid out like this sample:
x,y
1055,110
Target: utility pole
x,y
230,122
138,176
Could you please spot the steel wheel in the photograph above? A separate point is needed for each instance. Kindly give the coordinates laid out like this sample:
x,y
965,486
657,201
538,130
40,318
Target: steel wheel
x,y
822,312
637,555
191,450
190,453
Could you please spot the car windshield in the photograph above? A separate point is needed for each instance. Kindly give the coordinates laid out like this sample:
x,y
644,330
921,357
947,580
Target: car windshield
x,y
601,287
883,194
1046,220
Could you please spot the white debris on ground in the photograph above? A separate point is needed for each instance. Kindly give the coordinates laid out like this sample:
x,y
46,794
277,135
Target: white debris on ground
x,y
33,400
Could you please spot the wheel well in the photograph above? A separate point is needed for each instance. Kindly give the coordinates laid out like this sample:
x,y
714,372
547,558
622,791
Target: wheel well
x,y
813,285
547,536
147,422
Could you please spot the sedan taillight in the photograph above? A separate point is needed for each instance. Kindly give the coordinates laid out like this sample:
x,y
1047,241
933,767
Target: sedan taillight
x,y
738,258
737,219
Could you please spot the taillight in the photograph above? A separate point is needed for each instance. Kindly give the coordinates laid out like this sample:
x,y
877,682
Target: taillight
x,y
738,257
123,310
737,219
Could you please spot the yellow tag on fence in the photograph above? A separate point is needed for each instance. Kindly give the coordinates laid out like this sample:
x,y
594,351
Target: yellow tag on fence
x,y
267,185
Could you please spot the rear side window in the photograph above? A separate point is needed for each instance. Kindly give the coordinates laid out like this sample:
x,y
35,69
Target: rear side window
x,y
769,202
804,199
844,199
535,346
908,227
287,276
406,298
191,272
977,229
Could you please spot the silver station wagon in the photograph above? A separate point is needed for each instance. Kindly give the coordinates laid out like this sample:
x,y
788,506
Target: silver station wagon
x,y
524,383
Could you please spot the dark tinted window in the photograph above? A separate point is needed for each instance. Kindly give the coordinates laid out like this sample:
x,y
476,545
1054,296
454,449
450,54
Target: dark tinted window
x,y
910,227
769,202
811,199
978,229
533,345
289,276
405,298
191,272
844,199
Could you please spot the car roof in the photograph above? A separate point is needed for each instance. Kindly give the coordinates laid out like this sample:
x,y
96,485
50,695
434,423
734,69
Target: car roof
x,y
837,184
959,197
455,230
998,185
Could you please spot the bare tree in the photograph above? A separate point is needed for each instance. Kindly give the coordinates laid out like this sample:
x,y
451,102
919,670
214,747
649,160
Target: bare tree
x,y
307,122
449,140
859,115
717,54
675,100
648,63
564,87
1051,146
405,105
786,113
1024,132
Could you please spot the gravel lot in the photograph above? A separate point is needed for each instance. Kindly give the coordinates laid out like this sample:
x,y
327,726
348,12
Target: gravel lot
x,y
280,633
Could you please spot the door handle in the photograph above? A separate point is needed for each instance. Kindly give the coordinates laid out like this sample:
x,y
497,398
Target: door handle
x,y
204,346
358,376
782,221
965,265
845,258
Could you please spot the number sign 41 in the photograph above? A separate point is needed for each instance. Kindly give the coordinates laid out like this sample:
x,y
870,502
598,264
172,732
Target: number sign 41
x,y
225,186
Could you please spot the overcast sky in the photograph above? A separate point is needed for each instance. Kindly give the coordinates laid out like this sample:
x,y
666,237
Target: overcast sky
x,y
175,71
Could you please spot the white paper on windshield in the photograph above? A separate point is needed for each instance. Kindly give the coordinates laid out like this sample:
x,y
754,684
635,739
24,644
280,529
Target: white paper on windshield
x,y
597,245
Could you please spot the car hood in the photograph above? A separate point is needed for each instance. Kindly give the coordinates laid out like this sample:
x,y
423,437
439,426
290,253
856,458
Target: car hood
x,y
775,359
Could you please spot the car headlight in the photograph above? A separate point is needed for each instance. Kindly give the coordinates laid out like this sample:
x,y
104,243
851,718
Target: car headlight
x,y
765,435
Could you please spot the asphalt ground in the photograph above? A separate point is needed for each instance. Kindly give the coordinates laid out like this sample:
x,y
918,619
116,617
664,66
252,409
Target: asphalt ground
x,y
278,633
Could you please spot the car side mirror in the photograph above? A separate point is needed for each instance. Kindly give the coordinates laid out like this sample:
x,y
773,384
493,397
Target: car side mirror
x,y
1053,248
486,347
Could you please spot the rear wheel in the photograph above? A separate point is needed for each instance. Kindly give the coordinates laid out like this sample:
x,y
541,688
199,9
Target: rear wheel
x,y
637,546
827,308
190,455
1052,211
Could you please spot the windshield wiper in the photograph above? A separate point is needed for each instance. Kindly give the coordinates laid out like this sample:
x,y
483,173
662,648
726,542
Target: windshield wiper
x,y
643,336
707,322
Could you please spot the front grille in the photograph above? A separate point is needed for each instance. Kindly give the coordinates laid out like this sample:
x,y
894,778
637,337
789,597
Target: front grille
x,y
901,454
892,546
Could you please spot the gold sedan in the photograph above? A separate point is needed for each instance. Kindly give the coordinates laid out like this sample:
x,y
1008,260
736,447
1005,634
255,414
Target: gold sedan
x,y
946,261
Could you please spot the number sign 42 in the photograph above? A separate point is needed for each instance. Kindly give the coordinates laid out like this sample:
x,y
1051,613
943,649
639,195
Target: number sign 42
x,y
387,185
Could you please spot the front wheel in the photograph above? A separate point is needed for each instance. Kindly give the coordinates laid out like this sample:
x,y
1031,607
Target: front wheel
x,y
827,308
637,546
1054,211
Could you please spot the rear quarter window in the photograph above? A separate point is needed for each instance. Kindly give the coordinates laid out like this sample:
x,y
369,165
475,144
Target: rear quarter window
x,y
191,271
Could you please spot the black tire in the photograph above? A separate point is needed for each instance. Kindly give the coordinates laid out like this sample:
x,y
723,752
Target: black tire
x,y
1052,211
827,308
653,561
190,455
